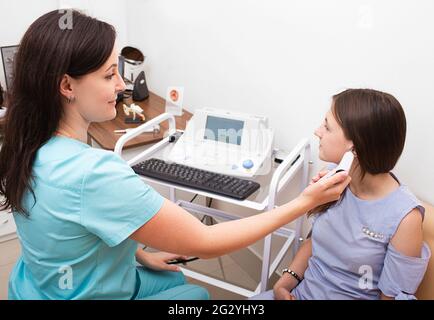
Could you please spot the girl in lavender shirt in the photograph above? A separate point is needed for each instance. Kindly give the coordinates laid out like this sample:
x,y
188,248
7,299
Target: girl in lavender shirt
x,y
367,245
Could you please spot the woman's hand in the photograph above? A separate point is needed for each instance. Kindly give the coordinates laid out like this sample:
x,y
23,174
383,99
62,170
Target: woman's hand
x,y
318,176
281,293
325,191
158,260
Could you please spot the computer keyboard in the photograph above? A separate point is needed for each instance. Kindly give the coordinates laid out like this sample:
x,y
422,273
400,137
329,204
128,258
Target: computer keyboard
x,y
198,179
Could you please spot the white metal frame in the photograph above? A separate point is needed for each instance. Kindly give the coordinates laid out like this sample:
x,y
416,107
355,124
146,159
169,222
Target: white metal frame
x,y
281,177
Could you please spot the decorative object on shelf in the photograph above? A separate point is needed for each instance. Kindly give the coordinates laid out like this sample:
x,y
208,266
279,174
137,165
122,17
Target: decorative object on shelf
x,y
136,112
132,65
174,99
140,91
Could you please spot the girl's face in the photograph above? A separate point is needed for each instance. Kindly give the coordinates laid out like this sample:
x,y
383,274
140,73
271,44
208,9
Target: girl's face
x,y
96,92
332,141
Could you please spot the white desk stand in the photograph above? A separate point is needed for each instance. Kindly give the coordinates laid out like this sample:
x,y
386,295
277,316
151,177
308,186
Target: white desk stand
x,y
262,200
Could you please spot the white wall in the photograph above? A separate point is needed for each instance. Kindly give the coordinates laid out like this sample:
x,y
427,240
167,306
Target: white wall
x,y
111,11
16,16
285,59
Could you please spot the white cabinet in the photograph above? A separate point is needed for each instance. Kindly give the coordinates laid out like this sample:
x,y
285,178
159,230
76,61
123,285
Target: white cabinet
x,y
7,226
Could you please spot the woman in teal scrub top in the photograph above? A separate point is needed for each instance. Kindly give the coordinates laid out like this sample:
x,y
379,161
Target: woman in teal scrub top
x,y
81,212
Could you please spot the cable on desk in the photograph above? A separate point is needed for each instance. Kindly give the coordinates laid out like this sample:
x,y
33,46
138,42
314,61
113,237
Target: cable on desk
x,y
195,196
127,94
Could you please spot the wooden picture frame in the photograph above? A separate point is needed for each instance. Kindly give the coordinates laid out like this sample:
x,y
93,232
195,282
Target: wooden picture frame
x,y
8,55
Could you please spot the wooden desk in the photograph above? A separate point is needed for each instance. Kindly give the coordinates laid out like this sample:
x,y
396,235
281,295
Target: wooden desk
x,y
103,132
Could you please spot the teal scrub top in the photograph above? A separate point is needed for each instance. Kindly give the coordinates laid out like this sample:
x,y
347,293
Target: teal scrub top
x,y
75,243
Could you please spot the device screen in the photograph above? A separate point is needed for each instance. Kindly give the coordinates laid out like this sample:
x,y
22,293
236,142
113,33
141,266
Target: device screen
x,y
224,130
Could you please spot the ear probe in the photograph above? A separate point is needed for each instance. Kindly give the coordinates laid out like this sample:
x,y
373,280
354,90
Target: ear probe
x,y
344,165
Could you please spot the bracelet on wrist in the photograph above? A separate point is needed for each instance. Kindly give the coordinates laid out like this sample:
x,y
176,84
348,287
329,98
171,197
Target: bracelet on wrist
x,y
293,274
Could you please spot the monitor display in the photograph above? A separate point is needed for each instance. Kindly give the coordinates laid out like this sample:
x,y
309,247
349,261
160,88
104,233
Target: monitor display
x,y
224,130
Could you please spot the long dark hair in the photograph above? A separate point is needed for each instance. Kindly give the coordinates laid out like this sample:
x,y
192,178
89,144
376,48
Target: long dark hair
x,y
375,122
49,49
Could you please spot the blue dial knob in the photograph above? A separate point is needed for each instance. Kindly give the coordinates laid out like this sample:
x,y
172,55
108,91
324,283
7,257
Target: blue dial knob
x,y
248,164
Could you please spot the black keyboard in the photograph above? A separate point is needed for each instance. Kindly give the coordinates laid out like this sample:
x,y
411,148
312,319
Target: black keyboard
x,y
198,179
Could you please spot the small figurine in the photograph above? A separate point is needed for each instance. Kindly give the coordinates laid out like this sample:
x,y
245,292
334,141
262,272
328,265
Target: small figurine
x,y
135,110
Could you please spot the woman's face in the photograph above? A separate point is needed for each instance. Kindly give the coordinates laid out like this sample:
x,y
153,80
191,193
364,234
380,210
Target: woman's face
x,y
332,141
95,93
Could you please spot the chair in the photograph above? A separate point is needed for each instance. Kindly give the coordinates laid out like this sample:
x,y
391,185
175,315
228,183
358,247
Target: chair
x,y
426,288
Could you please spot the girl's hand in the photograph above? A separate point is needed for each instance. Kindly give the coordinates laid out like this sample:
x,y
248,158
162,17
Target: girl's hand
x,y
158,260
282,293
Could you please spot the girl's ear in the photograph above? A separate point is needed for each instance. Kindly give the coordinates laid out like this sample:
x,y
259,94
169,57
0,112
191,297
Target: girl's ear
x,y
353,150
65,87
